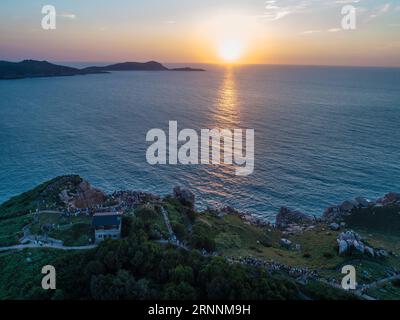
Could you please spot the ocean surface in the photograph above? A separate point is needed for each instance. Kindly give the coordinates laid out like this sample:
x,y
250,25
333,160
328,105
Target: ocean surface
x,y
322,134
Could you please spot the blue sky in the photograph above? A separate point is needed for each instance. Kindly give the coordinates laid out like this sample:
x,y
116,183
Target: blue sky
x,y
273,31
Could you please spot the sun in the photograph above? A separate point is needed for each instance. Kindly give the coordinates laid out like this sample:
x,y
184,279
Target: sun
x,y
230,51
229,37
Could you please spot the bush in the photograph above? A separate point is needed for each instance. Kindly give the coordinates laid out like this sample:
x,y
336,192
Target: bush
x,y
396,283
179,230
147,214
328,255
202,237
192,215
266,242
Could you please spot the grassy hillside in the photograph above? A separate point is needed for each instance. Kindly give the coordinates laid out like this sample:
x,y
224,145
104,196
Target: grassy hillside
x,y
140,265
385,220
43,196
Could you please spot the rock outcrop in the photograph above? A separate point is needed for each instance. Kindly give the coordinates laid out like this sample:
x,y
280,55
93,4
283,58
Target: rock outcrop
x,y
287,244
350,242
334,226
85,196
287,218
336,213
185,196
389,199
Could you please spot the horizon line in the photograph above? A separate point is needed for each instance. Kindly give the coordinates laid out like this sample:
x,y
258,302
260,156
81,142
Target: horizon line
x,y
214,63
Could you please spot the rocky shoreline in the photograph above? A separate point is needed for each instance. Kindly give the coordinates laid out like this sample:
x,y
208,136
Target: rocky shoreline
x,y
77,195
287,220
293,220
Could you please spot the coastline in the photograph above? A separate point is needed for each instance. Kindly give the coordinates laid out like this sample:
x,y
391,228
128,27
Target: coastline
x,y
303,248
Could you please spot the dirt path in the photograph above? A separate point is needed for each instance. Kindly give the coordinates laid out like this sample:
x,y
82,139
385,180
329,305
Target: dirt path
x,y
168,223
38,246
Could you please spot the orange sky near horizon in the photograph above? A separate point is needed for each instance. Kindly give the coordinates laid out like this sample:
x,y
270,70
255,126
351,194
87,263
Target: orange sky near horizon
x,y
211,34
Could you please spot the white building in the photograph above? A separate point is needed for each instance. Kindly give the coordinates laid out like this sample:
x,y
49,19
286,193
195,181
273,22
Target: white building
x,y
107,226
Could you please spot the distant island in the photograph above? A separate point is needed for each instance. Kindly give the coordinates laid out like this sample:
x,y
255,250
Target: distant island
x,y
34,69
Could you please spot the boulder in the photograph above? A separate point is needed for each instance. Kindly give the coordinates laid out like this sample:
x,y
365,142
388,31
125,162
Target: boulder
x,y
390,198
350,241
286,243
348,205
362,202
382,253
343,247
287,217
332,214
359,246
185,196
349,236
334,227
369,251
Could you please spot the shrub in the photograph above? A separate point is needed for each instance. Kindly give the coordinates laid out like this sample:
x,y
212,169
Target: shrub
x,y
202,237
396,283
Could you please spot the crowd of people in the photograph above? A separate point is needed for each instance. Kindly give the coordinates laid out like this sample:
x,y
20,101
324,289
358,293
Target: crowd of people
x,y
128,200
272,266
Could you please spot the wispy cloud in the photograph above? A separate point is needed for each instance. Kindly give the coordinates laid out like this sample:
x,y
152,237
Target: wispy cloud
x,y
67,15
278,9
334,30
311,31
347,1
380,11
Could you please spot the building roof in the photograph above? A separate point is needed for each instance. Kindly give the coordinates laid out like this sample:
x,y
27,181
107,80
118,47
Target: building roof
x,y
106,219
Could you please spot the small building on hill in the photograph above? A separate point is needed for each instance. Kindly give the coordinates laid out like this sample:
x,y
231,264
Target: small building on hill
x,y
107,226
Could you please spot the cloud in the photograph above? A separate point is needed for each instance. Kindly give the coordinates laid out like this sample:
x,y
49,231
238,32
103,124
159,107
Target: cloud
x,y
380,11
334,30
311,31
278,9
67,15
347,1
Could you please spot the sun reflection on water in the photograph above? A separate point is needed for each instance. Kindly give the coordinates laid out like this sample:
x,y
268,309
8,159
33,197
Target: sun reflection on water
x,y
225,116
227,110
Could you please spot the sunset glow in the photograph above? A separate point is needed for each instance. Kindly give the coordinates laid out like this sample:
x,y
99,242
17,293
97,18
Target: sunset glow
x,y
247,32
230,51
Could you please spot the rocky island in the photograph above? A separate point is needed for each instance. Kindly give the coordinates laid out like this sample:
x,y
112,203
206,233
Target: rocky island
x,y
170,250
34,69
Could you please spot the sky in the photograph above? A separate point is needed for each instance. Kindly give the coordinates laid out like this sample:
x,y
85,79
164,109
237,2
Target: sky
x,y
304,32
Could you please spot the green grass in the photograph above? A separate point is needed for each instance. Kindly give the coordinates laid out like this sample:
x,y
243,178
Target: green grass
x,y
79,234
54,218
318,248
234,238
73,231
43,196
386,292
384,220
11,229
